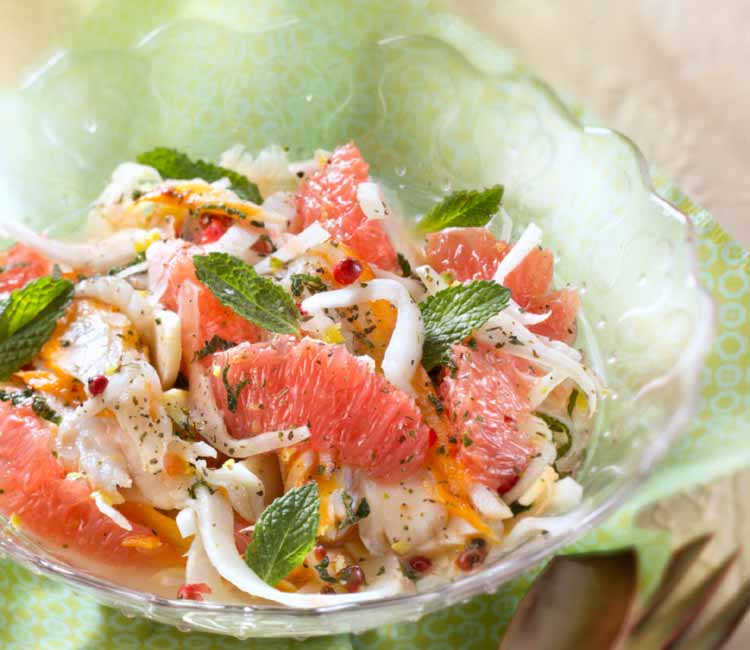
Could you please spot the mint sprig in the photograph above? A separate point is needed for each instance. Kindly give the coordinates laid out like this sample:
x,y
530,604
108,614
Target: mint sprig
x,y
255,298
28,318
171,163
284,534
465,208
454,313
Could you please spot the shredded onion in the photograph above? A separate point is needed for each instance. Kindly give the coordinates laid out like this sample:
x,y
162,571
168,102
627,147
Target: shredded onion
x,y
404,351
536,467
161,330
108,511
313,235
503,328
488,504
236,241
529,239
115,250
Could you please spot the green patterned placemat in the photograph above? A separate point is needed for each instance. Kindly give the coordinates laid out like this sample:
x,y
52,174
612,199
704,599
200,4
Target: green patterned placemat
x,y
38,614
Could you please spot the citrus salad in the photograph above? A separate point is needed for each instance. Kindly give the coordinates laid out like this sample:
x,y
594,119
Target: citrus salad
x,y
257,382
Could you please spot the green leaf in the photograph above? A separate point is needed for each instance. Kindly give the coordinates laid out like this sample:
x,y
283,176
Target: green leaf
x,y
285,534
579,602
249,295
216,344
171,163
28,318
465,208
306,281
454,313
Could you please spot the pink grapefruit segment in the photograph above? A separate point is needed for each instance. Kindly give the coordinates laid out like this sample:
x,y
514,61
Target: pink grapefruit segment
x,y
51,507
19,265
486,399
474,254
329,196
202,315
352,412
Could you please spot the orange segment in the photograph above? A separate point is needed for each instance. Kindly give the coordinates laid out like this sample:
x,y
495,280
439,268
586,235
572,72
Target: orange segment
x,y
162,525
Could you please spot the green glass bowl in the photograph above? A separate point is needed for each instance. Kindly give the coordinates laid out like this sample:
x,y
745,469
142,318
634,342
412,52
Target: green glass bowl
x,y
123,77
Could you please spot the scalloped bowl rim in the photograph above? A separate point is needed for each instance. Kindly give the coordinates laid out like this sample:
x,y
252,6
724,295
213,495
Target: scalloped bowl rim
x,y
686,370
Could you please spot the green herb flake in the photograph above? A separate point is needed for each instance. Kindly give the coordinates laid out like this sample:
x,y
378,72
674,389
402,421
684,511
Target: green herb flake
x,y
560,433
38,403
249,295
28,318
404,265
353,516
439,408
171,163
138,259
284,534
322,570
301,282
454,313
233,392
216,344
463,209
572,400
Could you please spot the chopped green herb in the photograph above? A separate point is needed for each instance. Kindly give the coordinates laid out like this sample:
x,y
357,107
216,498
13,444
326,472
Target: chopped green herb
x,y
439,408
454,313
28,318
38,403
175,164
301,282
516,508
404,265
572,401
140,257
353,516
255,298
216,344
285,533
322,570
467,441
560,433
233,392
465,208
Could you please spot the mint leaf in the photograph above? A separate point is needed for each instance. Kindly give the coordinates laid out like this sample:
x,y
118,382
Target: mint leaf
x,y
306,281
171,163
255,298
216,344
454,313
28,318
465,208
284,534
